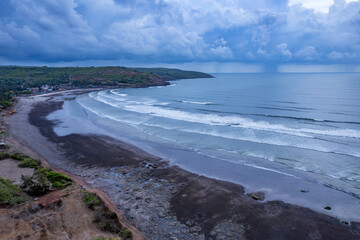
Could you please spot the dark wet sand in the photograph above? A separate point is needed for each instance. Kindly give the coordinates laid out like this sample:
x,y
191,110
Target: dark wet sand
x,y
168,202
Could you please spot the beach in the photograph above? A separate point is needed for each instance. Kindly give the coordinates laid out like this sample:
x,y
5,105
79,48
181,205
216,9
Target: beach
x,y
162,200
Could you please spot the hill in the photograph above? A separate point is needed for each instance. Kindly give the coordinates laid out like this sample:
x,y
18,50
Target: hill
x,y
173,74
16,80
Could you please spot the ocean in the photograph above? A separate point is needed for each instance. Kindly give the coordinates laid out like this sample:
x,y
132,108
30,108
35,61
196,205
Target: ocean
x,y
284,134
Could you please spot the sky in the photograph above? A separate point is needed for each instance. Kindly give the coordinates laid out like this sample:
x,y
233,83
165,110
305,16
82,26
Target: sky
x,y
209,35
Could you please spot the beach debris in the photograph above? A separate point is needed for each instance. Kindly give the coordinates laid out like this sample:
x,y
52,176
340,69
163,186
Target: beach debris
x,y
254,197
327,208
304,191
12,112
258,196
2,145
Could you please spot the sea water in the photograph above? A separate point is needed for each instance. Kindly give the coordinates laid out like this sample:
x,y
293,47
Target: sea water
x,y
280,127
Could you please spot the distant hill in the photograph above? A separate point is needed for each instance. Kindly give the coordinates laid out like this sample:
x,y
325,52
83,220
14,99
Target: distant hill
x,y
173,74
26,80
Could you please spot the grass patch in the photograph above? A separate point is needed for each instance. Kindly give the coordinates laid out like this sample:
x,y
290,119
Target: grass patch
x,y
9,194
58,180
14,155
43,180
91,200
18,156
29,163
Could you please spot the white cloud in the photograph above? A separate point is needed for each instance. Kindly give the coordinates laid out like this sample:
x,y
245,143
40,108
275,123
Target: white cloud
x,y
182,30
308,53
317,5
283,51
261,52
335,55
222,51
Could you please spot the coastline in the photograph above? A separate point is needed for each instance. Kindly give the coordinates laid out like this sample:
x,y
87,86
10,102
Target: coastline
x,y
159,198
21,147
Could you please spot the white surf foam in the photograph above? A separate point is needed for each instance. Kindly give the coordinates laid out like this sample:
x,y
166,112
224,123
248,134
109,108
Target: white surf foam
x,y
236,121
198,103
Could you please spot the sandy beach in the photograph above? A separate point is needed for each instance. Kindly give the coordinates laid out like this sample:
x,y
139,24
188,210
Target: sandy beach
x,y
163,201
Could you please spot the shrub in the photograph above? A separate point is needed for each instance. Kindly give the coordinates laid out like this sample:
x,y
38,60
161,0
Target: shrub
x,y
42,179
6,104
107,220
29,163
37,184
18,156
126,234
4,155
9,194
91,200
58,180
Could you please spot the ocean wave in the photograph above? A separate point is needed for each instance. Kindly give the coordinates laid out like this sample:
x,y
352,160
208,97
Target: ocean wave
x,y
238,122
248,164
117,103
103,115
198,103
299,144
269,169
118,94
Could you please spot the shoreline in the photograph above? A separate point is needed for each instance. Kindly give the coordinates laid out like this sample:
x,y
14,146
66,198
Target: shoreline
x,y
136,233
193,206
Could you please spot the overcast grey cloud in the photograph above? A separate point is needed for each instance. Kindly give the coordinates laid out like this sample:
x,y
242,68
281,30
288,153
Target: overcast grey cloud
x,y
174,31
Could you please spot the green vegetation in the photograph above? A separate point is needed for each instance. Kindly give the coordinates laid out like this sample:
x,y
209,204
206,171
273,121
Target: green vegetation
x,y
58,180
9,194
173,74
106,219
127,234
29,163
25,161
6,98
16,80
43,180
14,155
91,200
37,184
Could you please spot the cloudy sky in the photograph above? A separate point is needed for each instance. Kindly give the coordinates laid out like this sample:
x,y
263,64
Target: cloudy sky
x,y
257,34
